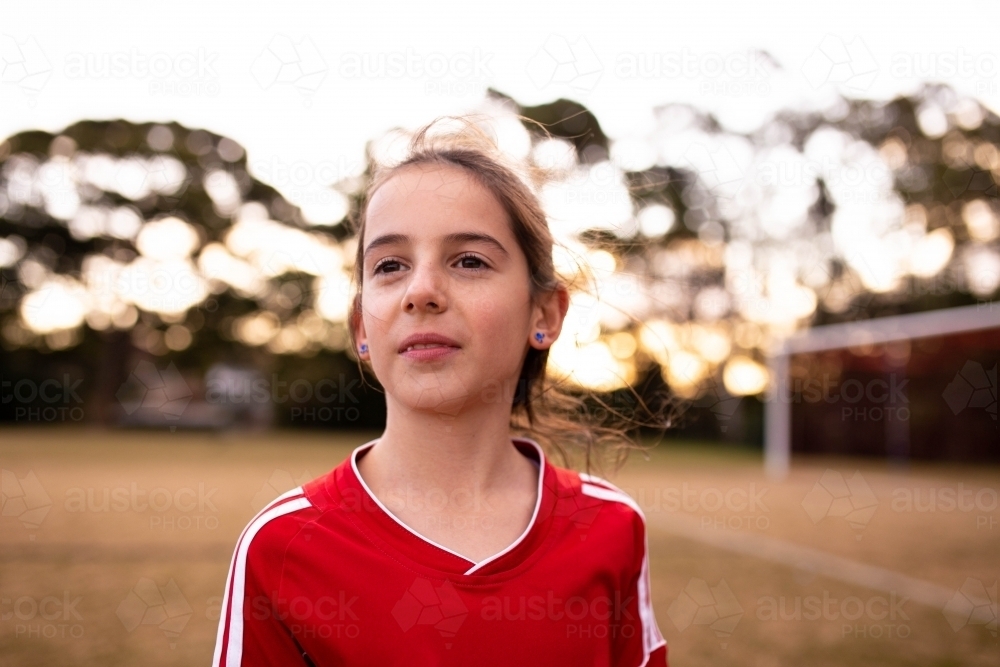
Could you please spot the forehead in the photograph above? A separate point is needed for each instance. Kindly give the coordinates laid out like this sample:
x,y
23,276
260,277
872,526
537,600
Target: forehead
x,y
422,195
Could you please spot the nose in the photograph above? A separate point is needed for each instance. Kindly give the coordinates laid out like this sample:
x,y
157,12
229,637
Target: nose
x,y
426,290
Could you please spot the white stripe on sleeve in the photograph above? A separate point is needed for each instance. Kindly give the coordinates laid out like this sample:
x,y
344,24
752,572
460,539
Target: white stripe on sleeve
x,y
651,636
233,614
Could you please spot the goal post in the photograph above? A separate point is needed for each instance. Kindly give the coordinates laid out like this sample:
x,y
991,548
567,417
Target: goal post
x,y
778,402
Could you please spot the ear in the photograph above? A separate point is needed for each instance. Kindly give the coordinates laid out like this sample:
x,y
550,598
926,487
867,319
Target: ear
x,y
548,316
357,324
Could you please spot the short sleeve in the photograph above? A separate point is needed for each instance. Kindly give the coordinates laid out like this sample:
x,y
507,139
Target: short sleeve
x,y
251,630
645,647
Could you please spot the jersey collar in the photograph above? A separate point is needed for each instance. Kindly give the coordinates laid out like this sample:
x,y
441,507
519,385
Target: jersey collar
x,y
387,528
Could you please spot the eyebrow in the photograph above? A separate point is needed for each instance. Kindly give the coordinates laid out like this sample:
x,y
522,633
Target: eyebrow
x,y
456,237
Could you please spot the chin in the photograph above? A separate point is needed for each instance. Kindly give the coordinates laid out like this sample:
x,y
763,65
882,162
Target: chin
x,y
443,399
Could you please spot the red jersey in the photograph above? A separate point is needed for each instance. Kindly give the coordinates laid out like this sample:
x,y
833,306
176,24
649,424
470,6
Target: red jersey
x,y
326,575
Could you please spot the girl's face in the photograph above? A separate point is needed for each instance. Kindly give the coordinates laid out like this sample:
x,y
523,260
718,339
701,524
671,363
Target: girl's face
x,y
440,258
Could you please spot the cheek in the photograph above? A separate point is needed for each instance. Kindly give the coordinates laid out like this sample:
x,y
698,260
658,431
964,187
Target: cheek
x,y
377,309
377,331
500,321
487,307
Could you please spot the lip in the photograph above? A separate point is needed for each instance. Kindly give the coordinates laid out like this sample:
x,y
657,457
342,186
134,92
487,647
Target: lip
x,y
429,353
428,338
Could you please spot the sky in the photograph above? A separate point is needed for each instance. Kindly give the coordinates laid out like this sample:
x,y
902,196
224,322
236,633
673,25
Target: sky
x,y
303,85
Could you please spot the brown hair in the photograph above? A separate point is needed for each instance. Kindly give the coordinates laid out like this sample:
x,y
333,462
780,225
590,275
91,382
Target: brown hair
x,y
559,419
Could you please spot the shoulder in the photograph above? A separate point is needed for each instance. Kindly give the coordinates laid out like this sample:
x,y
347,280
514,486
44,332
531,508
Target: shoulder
x,y
266,537
596,504
274,528
597,487
627,509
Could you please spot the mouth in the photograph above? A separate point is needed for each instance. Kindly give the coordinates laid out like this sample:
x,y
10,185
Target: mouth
x,y
427,340
428,351
424,346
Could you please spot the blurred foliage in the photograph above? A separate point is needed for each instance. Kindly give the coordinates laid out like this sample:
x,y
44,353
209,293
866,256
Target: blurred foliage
x,y
754,237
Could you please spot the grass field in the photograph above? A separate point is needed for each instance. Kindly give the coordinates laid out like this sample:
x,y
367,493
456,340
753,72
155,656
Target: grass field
x,y
746,571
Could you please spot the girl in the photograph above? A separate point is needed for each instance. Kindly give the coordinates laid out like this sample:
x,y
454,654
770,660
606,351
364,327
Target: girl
x,y
449,540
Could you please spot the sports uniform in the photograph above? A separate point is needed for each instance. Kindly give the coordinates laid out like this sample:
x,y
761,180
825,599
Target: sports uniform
x,y
327,575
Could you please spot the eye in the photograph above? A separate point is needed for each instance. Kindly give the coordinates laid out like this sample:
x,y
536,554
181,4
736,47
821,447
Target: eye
x,y
469,257
385,262
477,264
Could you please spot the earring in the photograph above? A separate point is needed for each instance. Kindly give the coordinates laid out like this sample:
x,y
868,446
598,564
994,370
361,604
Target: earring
x,y
539,336
364,347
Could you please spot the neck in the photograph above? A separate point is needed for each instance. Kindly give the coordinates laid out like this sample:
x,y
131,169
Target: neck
x,y
468,452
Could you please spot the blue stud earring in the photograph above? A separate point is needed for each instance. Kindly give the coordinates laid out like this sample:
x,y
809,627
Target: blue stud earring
x,y
539,336
364,347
